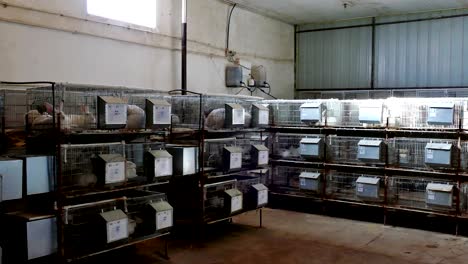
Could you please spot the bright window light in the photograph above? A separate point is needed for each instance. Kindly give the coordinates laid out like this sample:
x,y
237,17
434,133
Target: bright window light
x,y
138,12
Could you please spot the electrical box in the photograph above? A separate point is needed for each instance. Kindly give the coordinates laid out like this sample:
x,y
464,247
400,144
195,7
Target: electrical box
x,y
184,160
232,158
371,113
368,187
158,113
311,112
235,116
158,163
39,174
115,225
441,114
161,215
233,76
439,194
259,192
371,150
260,115
112,112
110,169
259,155
439,154
258,73
233,200
310,181
11,179
311,148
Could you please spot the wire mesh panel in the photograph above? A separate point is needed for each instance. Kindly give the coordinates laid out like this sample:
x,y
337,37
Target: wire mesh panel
x,y
214,199
347,150
423,113
187,111
288,146
408,192
85,230
246,141
77,163
411,152
345,186
284,176
135,156
213,151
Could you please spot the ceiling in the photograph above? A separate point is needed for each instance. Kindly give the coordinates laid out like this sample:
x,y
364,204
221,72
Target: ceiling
x,y
313,11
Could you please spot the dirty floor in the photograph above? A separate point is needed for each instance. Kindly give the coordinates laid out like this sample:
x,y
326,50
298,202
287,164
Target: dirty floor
x,y
292,237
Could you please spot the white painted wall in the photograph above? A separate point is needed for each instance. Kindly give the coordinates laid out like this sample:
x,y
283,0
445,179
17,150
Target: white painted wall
x,y
56,40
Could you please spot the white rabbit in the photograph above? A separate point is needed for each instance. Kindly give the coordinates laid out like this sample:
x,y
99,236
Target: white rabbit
x,y
136,117
42,120
175,119
215,119
285,153
30,116
85,120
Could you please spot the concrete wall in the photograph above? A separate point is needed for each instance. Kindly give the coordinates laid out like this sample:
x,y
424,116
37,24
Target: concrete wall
x,y
56,40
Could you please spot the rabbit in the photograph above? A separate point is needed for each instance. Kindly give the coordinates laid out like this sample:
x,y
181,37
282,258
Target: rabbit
x,y
131,170
247,119
85,180
30,116
136,117
175,119
84,120
215,119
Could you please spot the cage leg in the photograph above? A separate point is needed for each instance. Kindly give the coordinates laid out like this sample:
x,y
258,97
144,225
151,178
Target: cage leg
x,y
166,249
261,218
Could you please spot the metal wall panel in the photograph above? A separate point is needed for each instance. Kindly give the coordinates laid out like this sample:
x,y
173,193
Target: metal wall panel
x,y
422,54
334,59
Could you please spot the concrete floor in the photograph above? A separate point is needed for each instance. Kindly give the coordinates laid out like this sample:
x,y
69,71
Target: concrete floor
x,y
291,237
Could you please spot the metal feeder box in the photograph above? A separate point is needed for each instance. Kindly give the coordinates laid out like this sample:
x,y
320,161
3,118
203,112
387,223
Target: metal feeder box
x,y
310,181
441,114
260,115
161,214
311,148
259,155
158,163
112,112
371,150
259,193
115,224
110,169
311,112
233,200
158,113
184,160
39,174
30,236
439,194
232,158
235,116
439,154
11,179
368,187
370,114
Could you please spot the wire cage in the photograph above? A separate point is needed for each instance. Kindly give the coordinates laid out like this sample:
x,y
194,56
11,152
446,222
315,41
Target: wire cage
x,y
143,220
135,159
348,150
213,151
83,230
214,198
288,146
347,186
76,106
412,193
411,153
77,168
426,113
285,178
246,142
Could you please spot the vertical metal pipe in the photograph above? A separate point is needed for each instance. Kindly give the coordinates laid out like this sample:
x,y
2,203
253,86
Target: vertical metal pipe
x,y
184,47
372,83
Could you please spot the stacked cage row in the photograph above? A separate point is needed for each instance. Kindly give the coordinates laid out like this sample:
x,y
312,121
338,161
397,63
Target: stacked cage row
x,y
404,113
422,193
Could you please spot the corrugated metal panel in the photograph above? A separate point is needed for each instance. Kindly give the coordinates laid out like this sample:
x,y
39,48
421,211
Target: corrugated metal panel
x,y
422,54
334,59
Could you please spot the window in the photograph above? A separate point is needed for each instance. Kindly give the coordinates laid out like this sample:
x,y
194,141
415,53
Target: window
x,y
138,12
